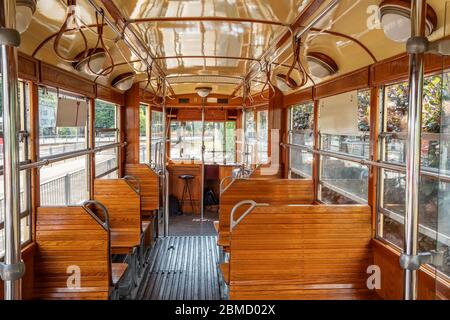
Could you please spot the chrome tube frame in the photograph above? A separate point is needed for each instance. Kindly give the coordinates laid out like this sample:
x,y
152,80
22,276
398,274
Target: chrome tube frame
x,y
13,267
202,182
416,76
164,166
251,203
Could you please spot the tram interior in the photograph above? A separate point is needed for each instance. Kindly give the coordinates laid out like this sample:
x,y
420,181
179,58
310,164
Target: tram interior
x,y
238,149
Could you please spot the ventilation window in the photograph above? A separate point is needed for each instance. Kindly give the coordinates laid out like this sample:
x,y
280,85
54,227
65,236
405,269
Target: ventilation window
x,y
222,100
183,100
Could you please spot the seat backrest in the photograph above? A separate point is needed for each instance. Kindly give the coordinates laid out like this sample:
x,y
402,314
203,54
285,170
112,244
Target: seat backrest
x,y
297,252
149,183
271,191
71,242
123,205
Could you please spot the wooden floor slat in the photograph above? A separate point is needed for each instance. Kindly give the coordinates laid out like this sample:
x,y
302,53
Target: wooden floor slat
x,y
182,268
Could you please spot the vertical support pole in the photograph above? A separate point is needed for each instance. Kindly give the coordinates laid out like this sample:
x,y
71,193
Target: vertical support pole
x,y
91,145
13,267
202,182
316,156
416,71
164,167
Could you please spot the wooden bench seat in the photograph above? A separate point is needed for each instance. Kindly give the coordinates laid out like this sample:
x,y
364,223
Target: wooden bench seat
x,y
149,183
301,252
118,271
124,209
68,237
270,191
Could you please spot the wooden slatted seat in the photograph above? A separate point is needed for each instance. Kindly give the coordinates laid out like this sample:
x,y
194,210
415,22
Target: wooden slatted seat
x,y
118,271
68,238
124,208
149,183
301,252
271,191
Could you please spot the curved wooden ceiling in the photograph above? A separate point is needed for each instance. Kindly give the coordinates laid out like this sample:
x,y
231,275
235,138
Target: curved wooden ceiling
x,y
230,40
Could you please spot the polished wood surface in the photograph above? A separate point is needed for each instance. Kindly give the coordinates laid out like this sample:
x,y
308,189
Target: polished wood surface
x,y
55,77
28,68
124,208
270,191
149,183
131,124
176,185
67,237
298,97
301,252
387,258
110,95
355,80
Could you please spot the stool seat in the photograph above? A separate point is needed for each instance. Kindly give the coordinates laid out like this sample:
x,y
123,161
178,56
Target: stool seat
x,y
186,177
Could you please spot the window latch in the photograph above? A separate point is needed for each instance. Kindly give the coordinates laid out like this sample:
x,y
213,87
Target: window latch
x,y
12,272
433,257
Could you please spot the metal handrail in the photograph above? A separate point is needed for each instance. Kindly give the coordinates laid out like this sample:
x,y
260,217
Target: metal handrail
x,y
362,161
253,205
222,189
104,224
136,188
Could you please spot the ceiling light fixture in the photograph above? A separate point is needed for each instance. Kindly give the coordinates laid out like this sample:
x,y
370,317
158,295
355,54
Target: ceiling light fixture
x,y
395,17
321,65
203,92
124,81
24,14
93,64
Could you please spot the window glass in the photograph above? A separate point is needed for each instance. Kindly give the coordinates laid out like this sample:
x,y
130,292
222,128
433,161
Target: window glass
x,y
144,134
65,182
262,129
186,141
350,179
24,111
434,204
346,181
106,123
106,162
396,122
301,133
250,137
355,145
55,140
157,135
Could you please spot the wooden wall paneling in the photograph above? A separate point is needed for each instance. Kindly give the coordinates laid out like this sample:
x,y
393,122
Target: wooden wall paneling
x,y
298,97
387,258
69,236
55,77
176,185
358,79
28,257
271,191
316,157
396,68
374,155
110,95
28,68
275,123
132,103
315,252
122,139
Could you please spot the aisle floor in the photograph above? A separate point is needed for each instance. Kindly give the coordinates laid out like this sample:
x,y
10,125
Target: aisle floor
x,y
182,268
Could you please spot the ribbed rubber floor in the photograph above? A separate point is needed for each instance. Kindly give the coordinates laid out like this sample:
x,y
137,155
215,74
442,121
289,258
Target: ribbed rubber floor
x,y
182,268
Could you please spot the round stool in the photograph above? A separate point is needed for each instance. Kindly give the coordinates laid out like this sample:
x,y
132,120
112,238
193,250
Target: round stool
x,y
186,191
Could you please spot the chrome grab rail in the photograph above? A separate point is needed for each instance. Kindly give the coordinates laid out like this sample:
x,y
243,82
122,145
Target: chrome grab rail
x,y
104,224
253,205
222,188
136,188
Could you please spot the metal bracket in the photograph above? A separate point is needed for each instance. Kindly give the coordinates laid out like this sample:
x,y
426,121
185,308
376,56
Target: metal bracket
x,y
9,37
12,272
416,45
409,262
